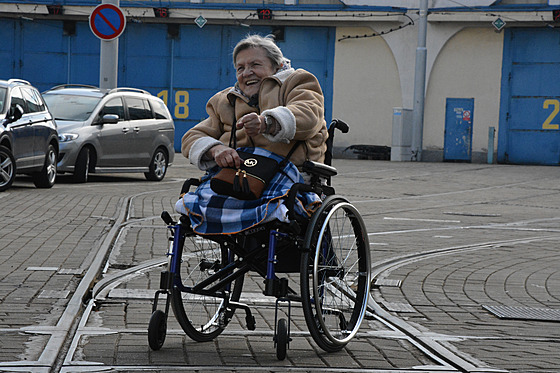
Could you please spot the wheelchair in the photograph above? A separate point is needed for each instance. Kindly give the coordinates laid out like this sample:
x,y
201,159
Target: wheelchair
x,y
204,277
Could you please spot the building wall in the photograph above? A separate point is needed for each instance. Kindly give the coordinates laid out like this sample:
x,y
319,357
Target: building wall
x,y
374,75
366,88
468,66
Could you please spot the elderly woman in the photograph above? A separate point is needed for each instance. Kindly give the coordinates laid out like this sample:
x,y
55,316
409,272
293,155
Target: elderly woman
x,y
274,111
273,104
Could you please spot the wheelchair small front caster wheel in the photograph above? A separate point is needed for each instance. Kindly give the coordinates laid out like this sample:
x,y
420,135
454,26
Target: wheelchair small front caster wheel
x,y
282,338
157,329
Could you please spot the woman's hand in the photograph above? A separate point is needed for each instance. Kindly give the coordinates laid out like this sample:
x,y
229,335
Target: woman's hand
x,y
252,123
225,156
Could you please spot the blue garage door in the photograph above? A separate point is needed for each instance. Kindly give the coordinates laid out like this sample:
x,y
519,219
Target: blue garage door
x,y
47,53
183,64
530,102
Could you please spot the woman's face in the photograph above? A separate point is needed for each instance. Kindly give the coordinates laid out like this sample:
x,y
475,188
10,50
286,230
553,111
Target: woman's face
x,y
252,66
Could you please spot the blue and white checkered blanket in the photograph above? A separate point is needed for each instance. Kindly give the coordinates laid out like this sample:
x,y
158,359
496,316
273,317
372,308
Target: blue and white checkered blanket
x,y
211,213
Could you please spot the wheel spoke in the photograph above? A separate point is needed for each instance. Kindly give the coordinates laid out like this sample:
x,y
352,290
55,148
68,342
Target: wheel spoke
x,y
202,316
338,278
6,169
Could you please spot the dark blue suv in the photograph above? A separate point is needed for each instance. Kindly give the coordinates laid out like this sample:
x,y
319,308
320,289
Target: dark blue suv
x,y
28,136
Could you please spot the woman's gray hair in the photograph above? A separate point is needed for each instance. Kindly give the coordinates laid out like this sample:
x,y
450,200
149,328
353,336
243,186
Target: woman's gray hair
x,y
265,42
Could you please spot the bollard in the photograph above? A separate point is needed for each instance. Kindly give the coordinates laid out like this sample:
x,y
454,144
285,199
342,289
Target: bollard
x,y
491,133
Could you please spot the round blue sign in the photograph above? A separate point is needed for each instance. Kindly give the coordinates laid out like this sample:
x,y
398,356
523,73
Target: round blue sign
x,y
107,21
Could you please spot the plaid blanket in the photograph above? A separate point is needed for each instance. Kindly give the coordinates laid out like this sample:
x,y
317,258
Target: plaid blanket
x,y
211,213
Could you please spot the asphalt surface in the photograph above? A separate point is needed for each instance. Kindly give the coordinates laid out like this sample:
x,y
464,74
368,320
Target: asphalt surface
x,y
465,256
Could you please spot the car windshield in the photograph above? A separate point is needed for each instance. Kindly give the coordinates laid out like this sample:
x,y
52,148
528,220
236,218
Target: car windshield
x,y
2,99
71,107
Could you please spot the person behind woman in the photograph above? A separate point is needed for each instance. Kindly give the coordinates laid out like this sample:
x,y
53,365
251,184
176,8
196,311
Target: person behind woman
x,y
272,105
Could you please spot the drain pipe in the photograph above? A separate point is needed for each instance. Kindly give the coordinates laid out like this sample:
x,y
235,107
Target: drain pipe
x,y
419,84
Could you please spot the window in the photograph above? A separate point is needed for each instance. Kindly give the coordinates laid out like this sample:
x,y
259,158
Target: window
x,y
71,107
2,99
159,109
17,99
113,106
138,108
34,103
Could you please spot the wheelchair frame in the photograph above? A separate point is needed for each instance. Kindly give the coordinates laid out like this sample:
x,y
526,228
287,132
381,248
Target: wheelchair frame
x,y
203,285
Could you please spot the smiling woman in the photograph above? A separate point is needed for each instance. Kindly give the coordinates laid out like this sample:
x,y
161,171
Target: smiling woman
x,y
272,105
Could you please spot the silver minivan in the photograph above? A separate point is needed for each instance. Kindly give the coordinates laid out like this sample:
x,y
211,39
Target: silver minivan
x,y
107,131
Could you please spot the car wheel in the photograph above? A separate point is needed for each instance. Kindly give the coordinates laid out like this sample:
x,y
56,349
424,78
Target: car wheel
x,y
158,166
47,176
81,169
7,168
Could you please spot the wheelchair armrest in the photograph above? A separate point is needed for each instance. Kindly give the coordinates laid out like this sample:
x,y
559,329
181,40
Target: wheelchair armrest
x,y
319,169
291,200
188,183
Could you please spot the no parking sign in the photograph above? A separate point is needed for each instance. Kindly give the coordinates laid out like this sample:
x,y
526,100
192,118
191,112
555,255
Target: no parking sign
x,y
107,21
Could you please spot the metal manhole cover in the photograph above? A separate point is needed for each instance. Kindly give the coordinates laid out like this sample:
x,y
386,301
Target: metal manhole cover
x,y
524,313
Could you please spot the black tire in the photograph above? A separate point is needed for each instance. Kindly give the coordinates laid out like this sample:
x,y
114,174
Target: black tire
x,y
202,317
335,274
7,168
81,168
157,329
158,165
47,176
282,339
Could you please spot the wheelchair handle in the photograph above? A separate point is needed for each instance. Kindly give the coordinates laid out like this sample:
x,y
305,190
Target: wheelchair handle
x,y
340,125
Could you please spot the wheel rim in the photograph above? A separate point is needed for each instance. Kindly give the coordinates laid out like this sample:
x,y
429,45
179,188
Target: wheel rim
x,y
51,166
160,164
6,169
340,313
202,317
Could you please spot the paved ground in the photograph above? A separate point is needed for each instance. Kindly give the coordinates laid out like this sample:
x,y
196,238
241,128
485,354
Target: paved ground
x,y
453,245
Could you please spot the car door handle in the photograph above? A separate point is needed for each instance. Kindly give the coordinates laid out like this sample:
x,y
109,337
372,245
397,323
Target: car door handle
x,y
125,130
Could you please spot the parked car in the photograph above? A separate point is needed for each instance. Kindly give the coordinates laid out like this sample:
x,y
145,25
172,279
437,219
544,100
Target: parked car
x,y
117,130
28,135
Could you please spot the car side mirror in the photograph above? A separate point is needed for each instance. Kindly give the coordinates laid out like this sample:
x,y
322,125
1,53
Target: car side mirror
x,y
109,119
15,113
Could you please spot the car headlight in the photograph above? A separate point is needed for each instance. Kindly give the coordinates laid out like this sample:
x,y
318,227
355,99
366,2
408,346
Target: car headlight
x,y
65,137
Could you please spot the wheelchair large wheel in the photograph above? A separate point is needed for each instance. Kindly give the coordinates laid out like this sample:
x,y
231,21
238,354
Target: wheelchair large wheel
x,y
335,274
202,316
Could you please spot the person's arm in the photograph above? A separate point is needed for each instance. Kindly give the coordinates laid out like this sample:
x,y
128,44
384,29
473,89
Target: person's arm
x,y
302,116
201,143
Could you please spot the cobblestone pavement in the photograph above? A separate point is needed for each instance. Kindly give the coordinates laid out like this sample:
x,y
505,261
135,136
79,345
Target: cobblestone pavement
x,y
454,247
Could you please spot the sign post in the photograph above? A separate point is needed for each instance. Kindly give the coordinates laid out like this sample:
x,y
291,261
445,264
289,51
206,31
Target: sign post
x,y
107,22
